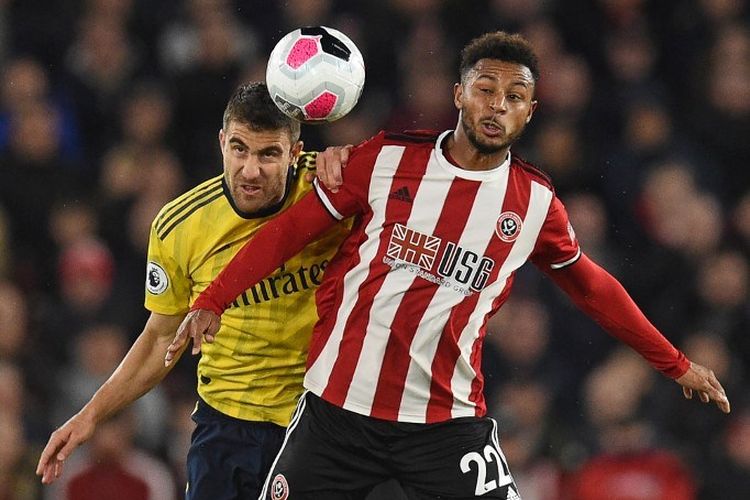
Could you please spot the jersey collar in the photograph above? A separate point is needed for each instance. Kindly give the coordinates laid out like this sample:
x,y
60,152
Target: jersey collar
x,y
473,175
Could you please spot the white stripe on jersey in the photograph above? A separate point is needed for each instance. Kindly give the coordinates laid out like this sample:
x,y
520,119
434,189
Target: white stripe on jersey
x,y
364,383
385,167
326,202
464,373
476,235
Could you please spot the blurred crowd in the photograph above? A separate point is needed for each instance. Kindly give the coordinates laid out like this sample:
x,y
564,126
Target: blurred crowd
x,y
110,108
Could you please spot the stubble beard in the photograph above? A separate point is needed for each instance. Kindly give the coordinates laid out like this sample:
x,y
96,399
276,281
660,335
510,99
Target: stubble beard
x,y
483,147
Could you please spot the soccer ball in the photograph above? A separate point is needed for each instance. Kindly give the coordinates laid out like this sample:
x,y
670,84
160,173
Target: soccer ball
x,y
315,74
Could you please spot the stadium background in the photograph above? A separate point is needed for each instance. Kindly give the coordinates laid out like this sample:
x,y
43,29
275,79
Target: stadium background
x,y
109,108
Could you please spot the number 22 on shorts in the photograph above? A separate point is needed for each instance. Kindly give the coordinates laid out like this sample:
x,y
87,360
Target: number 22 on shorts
x,y
491,455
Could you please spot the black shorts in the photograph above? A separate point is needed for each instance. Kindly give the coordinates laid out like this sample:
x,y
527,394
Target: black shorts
x,y
334,454
229,458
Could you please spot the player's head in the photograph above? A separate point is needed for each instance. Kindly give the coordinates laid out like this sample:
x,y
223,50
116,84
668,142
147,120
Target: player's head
x,y
495,96
258,144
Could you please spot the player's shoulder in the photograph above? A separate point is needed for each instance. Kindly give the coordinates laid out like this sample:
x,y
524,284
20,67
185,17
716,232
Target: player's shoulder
x,y
186,204
306,162
370,148
532,171
412,137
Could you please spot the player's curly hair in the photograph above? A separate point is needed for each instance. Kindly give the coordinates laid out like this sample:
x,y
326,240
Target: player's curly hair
x,y
251,105
502,46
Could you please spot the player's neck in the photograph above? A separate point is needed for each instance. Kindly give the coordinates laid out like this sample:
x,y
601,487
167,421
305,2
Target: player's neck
x,y
466,156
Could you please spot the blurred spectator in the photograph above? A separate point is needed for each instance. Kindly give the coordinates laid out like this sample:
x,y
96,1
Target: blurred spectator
x,y
101,65
516,348
698,421
216,58
526,424
33,177
628,462
99,350
113,468
25,83
17,481
721,115
728,478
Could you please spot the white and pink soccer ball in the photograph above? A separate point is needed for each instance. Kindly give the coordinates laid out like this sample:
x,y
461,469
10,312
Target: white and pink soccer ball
x,y
315,74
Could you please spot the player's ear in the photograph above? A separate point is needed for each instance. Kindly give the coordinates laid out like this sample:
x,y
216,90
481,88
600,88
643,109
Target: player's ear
x,y
458,92
296,150
532,108
222,138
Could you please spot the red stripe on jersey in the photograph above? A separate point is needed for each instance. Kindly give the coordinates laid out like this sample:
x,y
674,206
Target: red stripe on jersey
x,y
518,194
451,223
331,292
396,210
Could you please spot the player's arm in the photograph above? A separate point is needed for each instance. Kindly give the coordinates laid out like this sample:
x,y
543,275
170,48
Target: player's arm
x,y
276,242
140,370
605,300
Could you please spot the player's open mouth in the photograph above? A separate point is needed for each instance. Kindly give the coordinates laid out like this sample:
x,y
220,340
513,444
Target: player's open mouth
x,y
249,190
492,129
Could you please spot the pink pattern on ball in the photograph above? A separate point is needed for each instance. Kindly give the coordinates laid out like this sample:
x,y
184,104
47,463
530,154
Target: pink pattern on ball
x,y
301,52
321,106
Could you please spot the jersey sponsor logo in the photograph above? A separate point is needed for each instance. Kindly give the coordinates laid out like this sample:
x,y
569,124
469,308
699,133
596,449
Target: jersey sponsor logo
x,y
157,280
281,283
508,226
279,488
413,247
443,263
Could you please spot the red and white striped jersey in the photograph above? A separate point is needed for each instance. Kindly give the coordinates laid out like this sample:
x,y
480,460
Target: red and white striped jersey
x,y
432,255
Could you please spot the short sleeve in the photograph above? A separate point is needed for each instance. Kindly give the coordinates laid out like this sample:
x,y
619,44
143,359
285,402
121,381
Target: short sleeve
x,y
167,286
352,196
557,245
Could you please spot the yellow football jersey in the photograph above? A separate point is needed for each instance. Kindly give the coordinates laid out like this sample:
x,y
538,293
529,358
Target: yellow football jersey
x,y
254,368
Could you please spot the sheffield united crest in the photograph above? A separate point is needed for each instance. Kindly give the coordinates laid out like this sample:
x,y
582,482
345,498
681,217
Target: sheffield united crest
x,y
508,226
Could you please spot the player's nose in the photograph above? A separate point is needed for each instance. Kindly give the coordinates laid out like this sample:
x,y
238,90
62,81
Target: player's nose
x,y
250,169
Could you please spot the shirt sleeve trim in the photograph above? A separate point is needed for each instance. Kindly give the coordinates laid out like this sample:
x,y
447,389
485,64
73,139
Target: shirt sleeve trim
x,y
568,262
326,201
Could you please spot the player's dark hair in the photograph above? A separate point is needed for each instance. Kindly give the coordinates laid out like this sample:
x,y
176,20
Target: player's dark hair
x,y
251,105
501,46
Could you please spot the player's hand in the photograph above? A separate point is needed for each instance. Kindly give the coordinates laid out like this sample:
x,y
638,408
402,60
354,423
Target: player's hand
x,y
702,380
61,444
198,325
329,165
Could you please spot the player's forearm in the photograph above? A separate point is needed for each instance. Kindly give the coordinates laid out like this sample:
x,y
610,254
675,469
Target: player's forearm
x,y
605,300
278,241
141,369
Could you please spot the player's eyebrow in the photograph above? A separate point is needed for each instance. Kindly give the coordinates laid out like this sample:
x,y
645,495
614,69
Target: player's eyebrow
x,y
236,140
274,148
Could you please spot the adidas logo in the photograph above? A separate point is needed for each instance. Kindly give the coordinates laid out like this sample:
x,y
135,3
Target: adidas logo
x,y
401,194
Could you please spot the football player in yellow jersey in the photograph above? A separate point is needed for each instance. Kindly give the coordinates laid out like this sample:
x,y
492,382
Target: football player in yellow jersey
x,y
249,379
